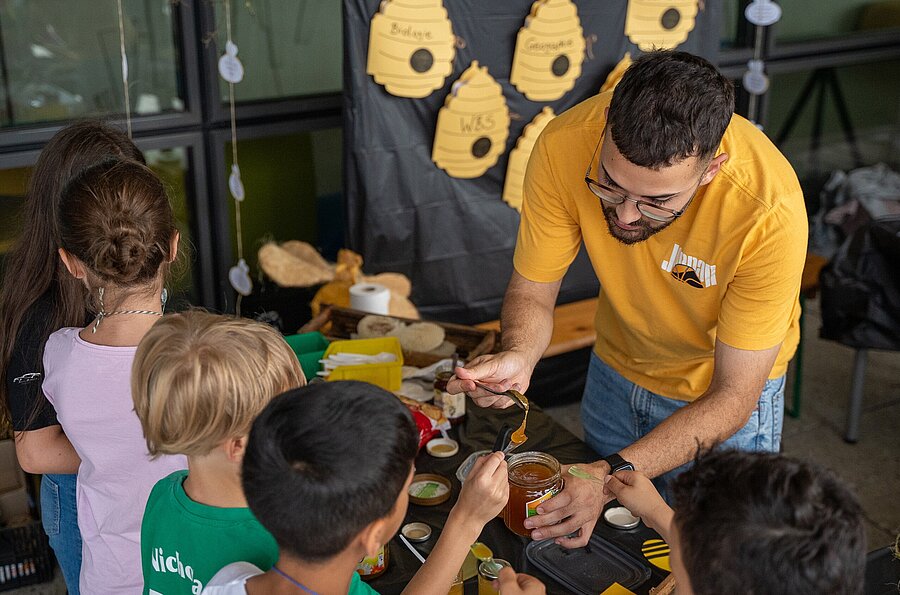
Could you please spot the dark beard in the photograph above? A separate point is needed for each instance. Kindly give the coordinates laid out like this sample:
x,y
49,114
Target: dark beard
x,y
631,237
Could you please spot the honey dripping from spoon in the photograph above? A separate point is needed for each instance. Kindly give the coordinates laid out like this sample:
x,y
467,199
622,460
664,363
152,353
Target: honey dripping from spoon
x,y
518,437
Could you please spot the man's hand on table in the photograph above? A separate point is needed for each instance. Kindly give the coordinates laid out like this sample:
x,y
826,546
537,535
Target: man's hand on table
x,y
511,583
500,371
574,510
636,492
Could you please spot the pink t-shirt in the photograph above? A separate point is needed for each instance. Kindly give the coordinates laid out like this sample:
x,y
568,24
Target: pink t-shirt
x,y
90,388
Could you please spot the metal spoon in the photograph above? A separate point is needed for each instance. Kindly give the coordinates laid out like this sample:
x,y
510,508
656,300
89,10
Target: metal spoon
x,y
518,398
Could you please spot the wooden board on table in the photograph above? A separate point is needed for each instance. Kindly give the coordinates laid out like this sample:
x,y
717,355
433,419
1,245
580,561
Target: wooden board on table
x,y
340,323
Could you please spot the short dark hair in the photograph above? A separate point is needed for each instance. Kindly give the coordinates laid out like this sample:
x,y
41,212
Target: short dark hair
x,y
766,523
324,461
669,106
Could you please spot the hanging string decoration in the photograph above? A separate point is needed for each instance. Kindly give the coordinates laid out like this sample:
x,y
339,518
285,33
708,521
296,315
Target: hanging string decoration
x,y
761,14
232,71
124,56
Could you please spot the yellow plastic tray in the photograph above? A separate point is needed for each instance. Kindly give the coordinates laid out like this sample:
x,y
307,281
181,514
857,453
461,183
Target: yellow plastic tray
x,y
388,376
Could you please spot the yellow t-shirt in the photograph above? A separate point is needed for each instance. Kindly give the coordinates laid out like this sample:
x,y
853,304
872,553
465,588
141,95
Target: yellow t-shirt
x,y
729,268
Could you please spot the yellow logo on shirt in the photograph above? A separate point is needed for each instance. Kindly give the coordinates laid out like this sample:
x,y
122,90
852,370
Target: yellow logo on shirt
x,y
689,269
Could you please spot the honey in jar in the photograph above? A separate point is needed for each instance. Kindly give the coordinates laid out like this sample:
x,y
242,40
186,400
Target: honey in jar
x,y
534,477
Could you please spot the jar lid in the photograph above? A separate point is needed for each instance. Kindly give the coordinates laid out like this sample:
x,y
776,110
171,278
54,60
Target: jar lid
x,y
620,518
429,489
442,448
490,569
416,532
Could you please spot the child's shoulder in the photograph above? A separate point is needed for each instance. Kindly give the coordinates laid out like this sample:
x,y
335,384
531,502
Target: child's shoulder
x,y
231,580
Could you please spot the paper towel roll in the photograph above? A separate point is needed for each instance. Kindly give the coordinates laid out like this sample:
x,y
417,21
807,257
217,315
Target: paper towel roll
x,y
370,297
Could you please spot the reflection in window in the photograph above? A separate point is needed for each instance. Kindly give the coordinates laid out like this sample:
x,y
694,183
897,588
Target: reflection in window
x,y
62,59
293,186
172,165
872,98
805,20
289,48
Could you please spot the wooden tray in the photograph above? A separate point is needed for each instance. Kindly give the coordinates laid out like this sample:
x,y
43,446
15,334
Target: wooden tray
x,y
340,323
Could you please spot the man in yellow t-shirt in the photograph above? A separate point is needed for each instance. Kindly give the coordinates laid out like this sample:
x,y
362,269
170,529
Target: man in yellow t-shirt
x,y
696,228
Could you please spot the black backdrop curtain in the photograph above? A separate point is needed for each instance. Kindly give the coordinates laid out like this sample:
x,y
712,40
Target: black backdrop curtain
x,y
453,237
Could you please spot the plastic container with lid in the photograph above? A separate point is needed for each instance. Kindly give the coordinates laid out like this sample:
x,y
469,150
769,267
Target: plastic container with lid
x,y
386,375
488,571
588,570
534,477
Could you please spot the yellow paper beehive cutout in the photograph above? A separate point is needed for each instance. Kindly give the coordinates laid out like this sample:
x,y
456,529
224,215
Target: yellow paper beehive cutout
x,y
549,51
616,74
659,23
473,125
518,158
411,47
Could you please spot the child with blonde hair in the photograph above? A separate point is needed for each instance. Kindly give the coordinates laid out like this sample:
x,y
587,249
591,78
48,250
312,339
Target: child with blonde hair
x,y
198,382
118,236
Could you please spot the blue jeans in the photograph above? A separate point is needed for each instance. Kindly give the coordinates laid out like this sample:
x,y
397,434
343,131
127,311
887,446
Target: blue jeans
x,y
616,412
60,519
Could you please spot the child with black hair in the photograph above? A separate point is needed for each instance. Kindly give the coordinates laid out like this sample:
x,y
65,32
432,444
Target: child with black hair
x,y
746,523
326,471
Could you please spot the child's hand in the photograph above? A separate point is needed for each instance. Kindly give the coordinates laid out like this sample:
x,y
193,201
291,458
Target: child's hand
x,y
637,493
511,583
485,491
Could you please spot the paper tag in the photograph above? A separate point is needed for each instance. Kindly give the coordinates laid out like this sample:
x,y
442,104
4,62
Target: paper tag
x,y
763,13
617,589
230,67
235,185
755,80
239,277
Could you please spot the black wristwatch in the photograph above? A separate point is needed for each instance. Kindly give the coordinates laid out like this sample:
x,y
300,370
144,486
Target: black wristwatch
x,y
617,463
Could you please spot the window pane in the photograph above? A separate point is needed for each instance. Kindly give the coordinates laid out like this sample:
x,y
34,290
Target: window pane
x,y
806,20
172,165
289,48
62,59
293,191
872,99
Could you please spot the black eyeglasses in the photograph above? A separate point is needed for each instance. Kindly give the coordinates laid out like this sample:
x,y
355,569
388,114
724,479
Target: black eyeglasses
x,y
614,197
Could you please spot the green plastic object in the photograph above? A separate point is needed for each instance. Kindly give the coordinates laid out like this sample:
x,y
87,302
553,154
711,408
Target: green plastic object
x,y
309,349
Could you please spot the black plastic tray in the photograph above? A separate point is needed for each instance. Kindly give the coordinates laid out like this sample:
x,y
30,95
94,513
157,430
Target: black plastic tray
x,y
588,570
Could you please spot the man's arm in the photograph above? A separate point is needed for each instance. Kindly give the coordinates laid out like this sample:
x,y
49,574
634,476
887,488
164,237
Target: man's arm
x,y
725,407
526,323
46,450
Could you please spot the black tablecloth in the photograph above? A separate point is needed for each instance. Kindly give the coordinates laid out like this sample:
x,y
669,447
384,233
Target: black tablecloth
x,y
478,432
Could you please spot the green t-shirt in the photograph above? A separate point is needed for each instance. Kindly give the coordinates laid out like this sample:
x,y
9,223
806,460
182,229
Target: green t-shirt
x,y
184,543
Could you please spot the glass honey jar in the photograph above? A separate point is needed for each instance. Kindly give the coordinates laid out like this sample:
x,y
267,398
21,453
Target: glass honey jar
x,y
534,477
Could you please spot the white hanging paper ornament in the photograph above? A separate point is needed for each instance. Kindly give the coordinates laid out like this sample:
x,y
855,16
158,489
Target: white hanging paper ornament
x,y
239,277
235,184
763,13
230,67
755,80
